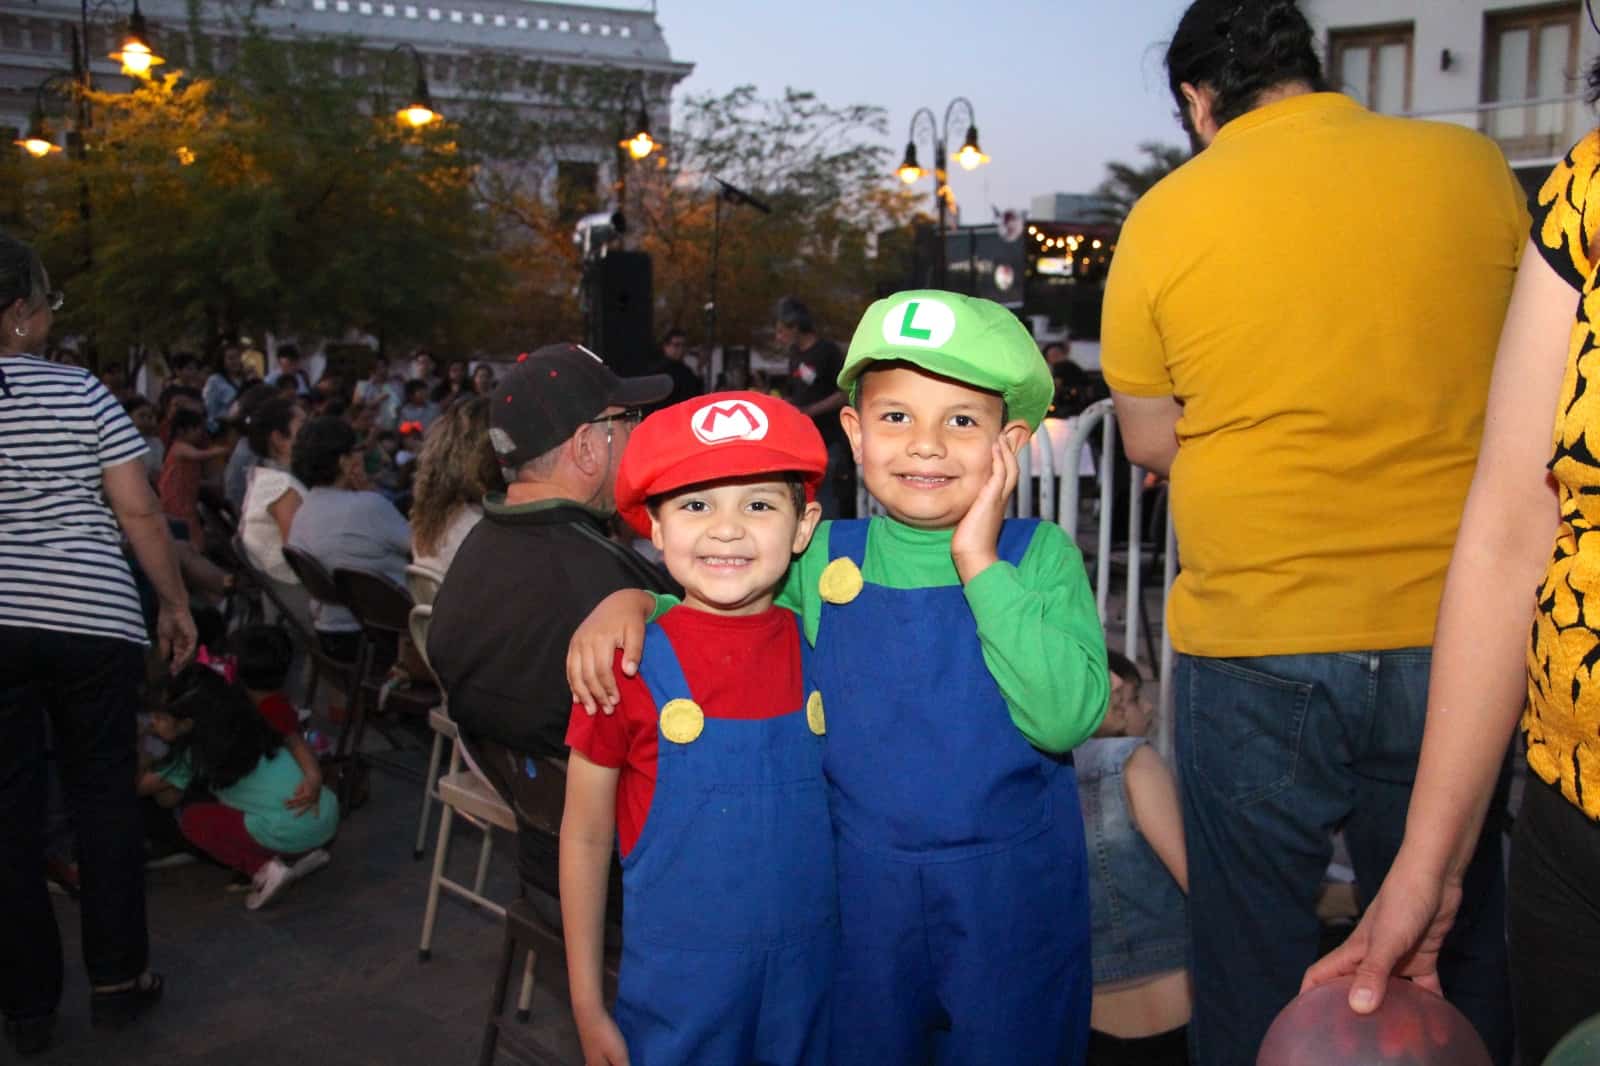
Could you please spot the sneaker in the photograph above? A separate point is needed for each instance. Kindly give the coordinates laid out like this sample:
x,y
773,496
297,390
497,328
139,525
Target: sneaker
x,y
269,881
309,863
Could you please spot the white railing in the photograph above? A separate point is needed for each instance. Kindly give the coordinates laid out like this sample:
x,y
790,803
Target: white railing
x,y
1534,131
1058,500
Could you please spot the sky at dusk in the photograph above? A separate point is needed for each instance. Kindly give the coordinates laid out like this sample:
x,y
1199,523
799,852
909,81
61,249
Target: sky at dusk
x,y
1058,87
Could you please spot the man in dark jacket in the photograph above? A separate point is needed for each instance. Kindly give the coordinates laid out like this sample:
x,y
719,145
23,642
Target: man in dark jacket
x,y
532,570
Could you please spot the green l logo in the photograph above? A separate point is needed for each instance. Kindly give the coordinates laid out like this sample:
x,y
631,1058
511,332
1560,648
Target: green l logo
x,y
910,331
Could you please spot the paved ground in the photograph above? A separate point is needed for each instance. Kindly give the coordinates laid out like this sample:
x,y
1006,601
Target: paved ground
x,y
326,975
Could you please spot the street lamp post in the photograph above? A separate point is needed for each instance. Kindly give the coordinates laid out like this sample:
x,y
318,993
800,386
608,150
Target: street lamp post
x,y
38,143
970,157
418,111
633,142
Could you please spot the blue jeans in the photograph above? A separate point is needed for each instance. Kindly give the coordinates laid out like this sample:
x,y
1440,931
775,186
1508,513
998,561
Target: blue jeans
x,y
1275,753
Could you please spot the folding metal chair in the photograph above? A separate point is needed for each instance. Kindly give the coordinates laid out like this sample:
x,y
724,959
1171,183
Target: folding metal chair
x,y
338,671
384,611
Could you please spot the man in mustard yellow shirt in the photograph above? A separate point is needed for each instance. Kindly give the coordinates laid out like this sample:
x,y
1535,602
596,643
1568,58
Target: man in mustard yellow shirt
x,y
1299,327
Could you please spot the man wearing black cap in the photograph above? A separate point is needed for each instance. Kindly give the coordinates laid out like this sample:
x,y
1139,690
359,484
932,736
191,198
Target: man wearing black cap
x,y
533,569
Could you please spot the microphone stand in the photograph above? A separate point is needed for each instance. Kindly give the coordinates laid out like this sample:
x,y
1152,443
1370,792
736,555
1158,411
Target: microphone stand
x,y
733,195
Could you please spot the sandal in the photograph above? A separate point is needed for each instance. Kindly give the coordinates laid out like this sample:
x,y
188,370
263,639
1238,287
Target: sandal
x,y
115,1009
29,1036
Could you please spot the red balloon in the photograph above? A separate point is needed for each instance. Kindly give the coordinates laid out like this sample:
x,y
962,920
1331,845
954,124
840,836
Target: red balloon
x,y
1414,1027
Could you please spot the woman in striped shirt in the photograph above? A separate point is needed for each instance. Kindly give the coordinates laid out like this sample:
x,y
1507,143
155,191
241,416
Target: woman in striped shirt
x,y
72,640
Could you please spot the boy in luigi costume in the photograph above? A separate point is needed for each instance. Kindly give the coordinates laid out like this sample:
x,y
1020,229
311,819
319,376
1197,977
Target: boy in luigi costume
x,y
959,655
710,771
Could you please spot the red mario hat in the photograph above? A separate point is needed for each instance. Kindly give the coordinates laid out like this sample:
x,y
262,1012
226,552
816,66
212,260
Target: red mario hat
x,y
712,438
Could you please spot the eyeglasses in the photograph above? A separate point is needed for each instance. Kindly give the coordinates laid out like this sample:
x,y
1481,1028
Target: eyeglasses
x,y
54,299
630,417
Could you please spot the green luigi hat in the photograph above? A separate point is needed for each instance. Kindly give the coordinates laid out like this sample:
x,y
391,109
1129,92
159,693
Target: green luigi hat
x,y
976,342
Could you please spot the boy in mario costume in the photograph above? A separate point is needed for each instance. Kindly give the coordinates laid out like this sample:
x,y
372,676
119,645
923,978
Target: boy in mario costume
x,y
955,651
711,768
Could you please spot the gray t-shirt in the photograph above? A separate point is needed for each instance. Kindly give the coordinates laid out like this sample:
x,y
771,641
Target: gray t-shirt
x,y
354,531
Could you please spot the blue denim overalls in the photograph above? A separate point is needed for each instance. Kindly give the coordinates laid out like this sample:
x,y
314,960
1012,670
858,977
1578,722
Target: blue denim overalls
x,y
1140,925
730,917
963,899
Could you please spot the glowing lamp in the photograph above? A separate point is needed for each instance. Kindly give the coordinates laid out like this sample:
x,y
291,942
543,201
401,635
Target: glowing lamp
x,y
136,55
971,157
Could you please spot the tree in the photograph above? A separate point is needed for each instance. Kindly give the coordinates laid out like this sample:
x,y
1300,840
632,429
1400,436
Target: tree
x,y
269,189
267,197
819,167
823,171
1126,182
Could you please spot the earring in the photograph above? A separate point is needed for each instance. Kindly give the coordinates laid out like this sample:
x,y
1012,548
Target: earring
x,y
19,331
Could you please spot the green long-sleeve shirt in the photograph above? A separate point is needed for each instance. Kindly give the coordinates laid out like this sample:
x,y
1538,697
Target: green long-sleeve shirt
x,y
1037,622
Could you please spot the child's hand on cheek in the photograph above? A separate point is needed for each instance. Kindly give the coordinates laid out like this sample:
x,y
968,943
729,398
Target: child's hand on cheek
x,y
973,544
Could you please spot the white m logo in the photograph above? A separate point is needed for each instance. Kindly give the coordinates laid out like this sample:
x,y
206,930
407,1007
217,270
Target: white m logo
x,y
719,422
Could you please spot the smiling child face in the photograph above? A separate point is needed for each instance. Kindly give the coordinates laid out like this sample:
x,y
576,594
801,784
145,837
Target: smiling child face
x,y
925,443
729,543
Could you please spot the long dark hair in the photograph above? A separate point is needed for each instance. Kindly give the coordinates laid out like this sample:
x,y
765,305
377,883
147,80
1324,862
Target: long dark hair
x,y
228,737
1240,49
274,416
457,467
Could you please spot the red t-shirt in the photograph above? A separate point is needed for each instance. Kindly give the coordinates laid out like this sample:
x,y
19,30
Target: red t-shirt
x,y
737,667
279,713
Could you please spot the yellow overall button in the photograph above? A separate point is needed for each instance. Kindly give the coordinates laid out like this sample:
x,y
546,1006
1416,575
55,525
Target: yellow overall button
x,y
840,582
814,719
682,721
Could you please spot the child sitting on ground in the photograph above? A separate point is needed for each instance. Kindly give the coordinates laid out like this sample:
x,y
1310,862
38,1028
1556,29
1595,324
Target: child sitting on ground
x,y
221,743
710,771
1134,825
265,655
960,656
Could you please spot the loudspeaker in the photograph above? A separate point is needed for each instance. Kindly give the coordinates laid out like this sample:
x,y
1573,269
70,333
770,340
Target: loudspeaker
x,y
621,311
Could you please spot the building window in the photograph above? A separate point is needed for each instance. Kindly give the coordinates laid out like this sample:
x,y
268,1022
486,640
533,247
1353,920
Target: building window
x,y
522,23
499,20
625,31
411,11
388,10
544,24
342,6
364,7
583,27
563,25
576,189
1531,55
1373,67
605,29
